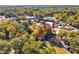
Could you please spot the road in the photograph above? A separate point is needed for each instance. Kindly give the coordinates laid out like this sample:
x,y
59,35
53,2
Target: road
x,y
59,50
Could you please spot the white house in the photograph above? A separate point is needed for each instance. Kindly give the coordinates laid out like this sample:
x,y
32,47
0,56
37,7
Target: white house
x,y
12,18
30,17
2,17
50,18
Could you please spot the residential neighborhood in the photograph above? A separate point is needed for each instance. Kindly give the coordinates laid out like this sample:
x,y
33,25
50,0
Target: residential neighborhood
x,y
39,31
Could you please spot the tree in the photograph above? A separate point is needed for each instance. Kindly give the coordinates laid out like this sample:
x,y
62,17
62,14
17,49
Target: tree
x,y
4,47
32,47
73,38
76,24
70,20
62,32
37,48
17,43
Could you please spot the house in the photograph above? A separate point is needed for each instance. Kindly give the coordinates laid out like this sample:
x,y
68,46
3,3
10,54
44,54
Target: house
x,y
60,24
47,21
11,18
55,30
30,17
21,17
2,17
48,18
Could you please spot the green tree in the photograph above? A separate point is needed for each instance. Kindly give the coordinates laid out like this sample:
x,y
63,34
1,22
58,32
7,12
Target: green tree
x,y
4,47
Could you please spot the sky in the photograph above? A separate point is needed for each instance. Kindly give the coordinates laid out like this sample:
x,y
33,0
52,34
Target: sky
x,y
39,2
